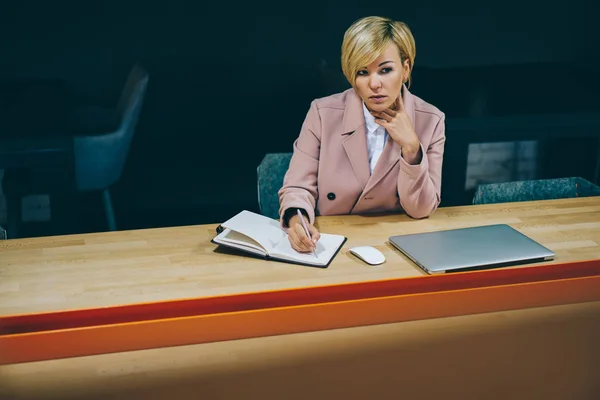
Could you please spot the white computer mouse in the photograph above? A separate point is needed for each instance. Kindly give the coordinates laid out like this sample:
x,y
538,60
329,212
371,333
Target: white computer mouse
x,y
368,254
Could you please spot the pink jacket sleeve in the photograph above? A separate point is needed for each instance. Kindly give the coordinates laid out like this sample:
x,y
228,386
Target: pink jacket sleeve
x,y
299,188
419,186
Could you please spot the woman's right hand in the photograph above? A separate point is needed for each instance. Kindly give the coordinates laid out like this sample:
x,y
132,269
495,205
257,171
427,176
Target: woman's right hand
x,y
297,235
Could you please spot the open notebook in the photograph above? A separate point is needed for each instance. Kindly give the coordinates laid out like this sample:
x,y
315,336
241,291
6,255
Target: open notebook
x,y
263,236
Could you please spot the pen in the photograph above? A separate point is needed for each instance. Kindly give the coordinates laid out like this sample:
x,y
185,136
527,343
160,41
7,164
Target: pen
x,y
305,228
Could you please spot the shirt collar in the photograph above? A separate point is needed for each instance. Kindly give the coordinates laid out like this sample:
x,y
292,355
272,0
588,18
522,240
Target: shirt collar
x,y
369,120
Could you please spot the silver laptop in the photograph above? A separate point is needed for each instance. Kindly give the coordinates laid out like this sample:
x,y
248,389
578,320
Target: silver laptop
x,y
466,249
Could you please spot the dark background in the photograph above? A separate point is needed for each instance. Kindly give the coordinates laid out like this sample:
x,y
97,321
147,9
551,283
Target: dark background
x,y
230,82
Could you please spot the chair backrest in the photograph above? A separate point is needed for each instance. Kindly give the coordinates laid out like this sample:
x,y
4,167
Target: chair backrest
x,y
136,82
270,174
541,189
99,159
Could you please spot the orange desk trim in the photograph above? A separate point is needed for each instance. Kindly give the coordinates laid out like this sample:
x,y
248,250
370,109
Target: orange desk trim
x,y
44,336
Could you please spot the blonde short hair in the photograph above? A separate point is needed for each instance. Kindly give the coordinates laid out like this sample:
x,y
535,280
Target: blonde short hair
x,y
367,38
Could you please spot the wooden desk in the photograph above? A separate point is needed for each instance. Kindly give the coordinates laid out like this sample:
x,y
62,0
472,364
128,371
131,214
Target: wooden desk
x,y
115,268
544,353
549,353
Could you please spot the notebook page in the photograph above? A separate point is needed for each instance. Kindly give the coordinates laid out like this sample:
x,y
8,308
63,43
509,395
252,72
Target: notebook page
x,y
239,240
264,230
326,248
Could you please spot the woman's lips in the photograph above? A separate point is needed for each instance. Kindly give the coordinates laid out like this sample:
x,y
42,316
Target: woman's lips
x,y
378,99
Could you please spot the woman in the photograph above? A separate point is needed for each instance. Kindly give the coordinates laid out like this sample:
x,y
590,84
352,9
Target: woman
x,y
375,147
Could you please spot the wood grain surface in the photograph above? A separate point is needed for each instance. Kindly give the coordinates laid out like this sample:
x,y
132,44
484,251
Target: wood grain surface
x,y
116,268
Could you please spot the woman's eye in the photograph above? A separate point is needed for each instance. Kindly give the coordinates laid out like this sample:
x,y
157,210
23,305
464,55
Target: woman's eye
x,y
386,70
363,72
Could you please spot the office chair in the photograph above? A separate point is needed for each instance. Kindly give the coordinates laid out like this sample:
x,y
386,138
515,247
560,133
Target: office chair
x,y
270,173
541,189
101,142
99,158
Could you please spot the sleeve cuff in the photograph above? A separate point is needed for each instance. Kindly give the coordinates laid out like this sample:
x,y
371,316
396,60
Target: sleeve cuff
x,y
417,169
291,210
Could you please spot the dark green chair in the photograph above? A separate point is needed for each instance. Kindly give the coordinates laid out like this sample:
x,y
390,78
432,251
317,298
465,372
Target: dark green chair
x,y
541,189
270,173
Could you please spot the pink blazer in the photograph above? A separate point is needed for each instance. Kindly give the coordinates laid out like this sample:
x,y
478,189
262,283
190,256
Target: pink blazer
x,y
329,170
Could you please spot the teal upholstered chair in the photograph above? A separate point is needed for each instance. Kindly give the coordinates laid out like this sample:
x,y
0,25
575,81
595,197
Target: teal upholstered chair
x,y
270,173
101,142
541,189
101,152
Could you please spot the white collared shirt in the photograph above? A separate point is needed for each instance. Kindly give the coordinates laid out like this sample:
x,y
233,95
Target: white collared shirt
x,y
376,138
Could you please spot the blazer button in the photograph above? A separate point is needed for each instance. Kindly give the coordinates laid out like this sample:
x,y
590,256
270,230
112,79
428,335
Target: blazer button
x,y
331,196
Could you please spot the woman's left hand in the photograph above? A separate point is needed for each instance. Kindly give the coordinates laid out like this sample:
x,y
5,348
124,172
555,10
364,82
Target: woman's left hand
x,y
397,124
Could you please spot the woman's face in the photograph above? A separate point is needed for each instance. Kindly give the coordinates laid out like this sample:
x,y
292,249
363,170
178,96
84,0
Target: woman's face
x,y
379,83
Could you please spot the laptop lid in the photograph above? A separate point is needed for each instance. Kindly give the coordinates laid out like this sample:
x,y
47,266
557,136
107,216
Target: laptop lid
x,y
464,249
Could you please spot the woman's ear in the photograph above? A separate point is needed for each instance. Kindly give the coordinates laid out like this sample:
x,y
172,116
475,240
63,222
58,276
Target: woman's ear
x,y
406,67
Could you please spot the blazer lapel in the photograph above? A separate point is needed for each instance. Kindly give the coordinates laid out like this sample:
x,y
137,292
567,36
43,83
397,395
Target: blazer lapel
x,y
392,150
388,159
355,141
